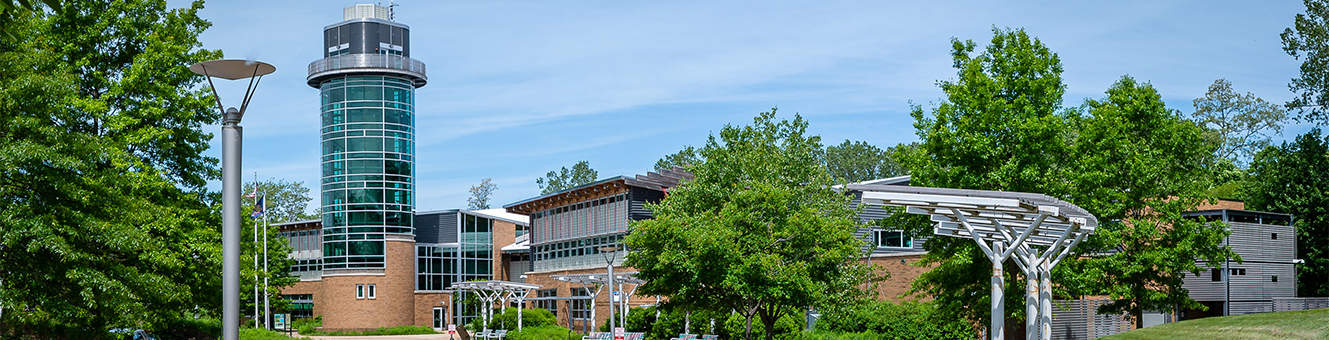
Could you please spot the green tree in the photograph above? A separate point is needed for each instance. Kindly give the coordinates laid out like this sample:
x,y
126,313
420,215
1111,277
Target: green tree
x,y
480,194
105,219
1127,159
1000,127
1139,166
1241,123
1290,178
564,178
759,230
857,161
1308,40
287,201
684,158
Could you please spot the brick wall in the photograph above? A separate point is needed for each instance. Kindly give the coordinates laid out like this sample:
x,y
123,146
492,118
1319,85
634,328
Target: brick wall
x,y
903,271
394,304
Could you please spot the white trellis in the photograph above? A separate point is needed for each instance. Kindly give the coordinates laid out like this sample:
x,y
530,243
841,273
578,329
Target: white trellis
x,y
500,291
600,280
1036,229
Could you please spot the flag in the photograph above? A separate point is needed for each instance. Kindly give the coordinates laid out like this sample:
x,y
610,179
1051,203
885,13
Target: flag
x,y
258,208
252,194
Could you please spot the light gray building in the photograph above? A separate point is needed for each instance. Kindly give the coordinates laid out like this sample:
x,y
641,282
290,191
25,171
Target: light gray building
x,y
1267,244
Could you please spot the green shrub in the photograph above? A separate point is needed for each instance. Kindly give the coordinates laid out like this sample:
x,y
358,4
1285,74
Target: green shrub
x,y
261,334
549,332
307,325
188,328
534,317
909,320
819,335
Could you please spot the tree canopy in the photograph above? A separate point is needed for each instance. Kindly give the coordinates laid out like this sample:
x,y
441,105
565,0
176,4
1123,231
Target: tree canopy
x,y
1126,158
480,194
684,158
564,178
106,220
1308,41
1241,123
1290,178
759,230
287,201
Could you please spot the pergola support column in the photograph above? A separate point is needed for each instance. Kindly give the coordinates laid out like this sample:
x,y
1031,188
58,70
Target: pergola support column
x,y
998,296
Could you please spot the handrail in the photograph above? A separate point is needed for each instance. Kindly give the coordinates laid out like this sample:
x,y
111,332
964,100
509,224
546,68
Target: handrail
x,y
368,61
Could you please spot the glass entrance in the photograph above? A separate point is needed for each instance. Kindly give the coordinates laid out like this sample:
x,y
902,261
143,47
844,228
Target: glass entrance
x,y
438,318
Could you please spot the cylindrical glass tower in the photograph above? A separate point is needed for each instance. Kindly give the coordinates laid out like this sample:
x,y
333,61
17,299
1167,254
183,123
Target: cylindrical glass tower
x,y
367,81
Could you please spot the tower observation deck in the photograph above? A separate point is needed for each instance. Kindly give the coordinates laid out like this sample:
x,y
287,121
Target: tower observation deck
x,y
367,81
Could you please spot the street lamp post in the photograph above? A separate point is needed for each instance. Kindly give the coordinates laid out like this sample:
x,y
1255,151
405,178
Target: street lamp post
x,y
231,69
609,253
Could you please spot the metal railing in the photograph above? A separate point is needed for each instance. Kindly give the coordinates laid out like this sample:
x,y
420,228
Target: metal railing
x,y
367,61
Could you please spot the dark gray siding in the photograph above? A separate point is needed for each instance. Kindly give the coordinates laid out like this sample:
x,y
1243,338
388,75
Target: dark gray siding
x,y
872,213
364,36
439,227
637,199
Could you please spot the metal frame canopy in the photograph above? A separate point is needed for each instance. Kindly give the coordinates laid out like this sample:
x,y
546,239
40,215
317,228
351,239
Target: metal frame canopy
x,y
490,291
1036,229
599,281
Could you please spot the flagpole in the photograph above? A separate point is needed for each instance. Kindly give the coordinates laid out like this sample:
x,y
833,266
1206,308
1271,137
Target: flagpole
x,y
251,217
267,319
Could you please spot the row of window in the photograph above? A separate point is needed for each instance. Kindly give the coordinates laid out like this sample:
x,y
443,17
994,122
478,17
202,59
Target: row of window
x,y
366,115
302,240
367,104
390,185
307,265
592,217
366,291
892,239
365,144
354,178
549,305
333,93
367,166
582,247
366,196
1216,275
355,219
301,305
361,131
365,80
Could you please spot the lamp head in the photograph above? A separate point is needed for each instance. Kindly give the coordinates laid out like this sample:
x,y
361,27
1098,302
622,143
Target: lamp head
x,y
232,116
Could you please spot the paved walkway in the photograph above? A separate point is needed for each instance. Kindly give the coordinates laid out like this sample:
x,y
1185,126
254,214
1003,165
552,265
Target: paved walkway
x,y
382,337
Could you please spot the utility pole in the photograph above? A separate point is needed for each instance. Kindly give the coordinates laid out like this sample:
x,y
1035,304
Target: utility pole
x,y
267,321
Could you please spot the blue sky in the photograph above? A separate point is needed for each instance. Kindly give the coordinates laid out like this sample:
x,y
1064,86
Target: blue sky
x,y
518,88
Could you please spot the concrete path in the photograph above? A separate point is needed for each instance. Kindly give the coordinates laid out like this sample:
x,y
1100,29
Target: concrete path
x,y
382,337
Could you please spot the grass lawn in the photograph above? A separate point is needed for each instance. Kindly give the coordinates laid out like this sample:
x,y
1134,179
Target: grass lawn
x,y
1307,324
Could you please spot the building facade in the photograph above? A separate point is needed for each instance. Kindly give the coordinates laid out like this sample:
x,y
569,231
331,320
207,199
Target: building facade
x,y
449,246
570,229
1267,244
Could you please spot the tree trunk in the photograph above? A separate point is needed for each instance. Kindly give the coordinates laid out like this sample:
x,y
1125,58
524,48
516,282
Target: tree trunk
x,y
747,333
768,320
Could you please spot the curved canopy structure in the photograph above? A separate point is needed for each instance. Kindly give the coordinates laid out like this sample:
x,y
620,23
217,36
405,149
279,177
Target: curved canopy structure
x,y
1037,229
491,291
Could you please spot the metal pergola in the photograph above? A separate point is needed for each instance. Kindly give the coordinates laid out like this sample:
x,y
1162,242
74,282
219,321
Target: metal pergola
x,y
501,291
1036,229
599,281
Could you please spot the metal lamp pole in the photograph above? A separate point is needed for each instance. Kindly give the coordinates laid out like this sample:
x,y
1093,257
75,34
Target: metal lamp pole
x,y
231,69
609,254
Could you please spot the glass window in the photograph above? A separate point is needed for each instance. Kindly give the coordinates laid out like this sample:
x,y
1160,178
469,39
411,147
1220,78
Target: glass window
x,y
372,292
359,291
364,144
366,247
364,115
893,239
397,168
364,166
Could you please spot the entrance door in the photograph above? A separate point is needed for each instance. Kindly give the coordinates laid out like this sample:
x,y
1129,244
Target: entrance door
x,y
438,318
